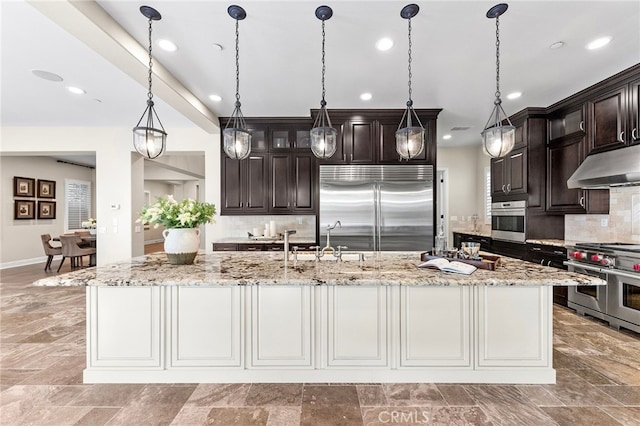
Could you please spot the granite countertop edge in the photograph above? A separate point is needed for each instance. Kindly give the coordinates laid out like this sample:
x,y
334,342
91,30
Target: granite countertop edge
x,y
267,269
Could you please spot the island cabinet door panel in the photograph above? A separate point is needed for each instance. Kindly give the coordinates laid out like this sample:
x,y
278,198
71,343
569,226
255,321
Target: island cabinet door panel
x,y
435,326
206,324
125,325
514,326
281,326
357,326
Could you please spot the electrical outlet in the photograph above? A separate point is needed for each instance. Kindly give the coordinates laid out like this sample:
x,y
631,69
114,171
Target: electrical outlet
x,y
137,229
604,222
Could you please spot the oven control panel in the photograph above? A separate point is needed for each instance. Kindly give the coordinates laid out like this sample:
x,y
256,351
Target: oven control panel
x,y
592,257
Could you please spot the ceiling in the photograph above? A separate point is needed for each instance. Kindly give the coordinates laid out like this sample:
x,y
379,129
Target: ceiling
x,y
453,59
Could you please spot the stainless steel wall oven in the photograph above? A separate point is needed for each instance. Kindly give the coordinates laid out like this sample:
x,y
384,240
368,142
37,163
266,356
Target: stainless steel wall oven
x,y
508,221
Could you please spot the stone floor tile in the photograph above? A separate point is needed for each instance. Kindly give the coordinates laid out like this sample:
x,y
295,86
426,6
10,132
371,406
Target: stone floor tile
x,y
495,394
279,394
516,414
219,395
247,416
66,370
191,416
594,377
162,394
573,390
328,415
628,416
53,415
413,394
572,416
284,416
371,396
539,396
97,416
329,396
455,395
627,395
108,395
142,415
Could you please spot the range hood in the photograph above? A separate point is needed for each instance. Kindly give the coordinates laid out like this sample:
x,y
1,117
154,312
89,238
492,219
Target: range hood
x,y
619,167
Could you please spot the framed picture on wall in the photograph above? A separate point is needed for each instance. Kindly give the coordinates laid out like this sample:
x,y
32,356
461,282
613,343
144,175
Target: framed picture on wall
x,y
46,209
46,188
24,187
24,209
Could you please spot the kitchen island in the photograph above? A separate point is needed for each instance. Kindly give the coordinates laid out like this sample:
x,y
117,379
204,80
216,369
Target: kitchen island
x,y
241,317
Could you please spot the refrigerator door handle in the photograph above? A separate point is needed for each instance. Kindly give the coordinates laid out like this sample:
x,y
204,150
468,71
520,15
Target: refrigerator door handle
x,y
378,190
376,202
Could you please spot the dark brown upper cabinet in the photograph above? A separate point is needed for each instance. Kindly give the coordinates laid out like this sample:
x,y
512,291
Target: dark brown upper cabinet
x,y
290,137
615,117
509,175
244,185
567,123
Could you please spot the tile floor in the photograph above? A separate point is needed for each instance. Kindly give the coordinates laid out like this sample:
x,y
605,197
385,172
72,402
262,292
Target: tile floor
x,y
42,355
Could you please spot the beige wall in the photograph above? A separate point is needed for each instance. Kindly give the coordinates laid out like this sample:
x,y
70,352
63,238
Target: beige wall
x,y
465,168
20,239
119,176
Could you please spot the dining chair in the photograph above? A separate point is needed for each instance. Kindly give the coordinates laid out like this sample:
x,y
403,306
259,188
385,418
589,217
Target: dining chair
x,y
49,250
71,250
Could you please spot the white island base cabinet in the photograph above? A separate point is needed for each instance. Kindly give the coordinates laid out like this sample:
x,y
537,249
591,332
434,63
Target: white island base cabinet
x,y
337,334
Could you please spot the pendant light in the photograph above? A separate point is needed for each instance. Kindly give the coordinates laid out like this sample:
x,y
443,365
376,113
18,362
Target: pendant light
x,y
498,138
148,140
409,139
237,139
323,135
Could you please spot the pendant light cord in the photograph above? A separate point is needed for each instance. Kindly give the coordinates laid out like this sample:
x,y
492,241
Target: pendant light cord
x,y
237,65
323,102
498,100
410,102
150,94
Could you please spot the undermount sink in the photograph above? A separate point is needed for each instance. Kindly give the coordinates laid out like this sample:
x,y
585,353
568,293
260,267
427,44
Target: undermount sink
x,y
346,257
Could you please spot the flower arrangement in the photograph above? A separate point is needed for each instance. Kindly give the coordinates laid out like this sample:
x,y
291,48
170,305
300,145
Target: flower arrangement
x,y
187,213
90,223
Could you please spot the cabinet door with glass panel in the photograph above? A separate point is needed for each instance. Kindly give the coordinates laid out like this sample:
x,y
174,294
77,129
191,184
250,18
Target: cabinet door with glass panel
x,y
290,137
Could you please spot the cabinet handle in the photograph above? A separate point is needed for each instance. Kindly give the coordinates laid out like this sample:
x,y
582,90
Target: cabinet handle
x,y
582,126
634,133
351,158
559,252
582,201
288,203
249,204
242,204
542,262
517,155
549,263
536,248
621,137
508,188
504,188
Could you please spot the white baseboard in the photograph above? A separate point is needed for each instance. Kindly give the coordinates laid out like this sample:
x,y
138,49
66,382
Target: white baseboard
x,y
23,262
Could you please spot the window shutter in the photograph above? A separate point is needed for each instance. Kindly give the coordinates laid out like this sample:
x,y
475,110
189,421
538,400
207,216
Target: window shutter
x,y
78,203
487,195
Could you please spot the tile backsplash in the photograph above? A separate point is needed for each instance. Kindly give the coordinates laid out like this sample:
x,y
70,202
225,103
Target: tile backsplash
x,y
238,226
622,224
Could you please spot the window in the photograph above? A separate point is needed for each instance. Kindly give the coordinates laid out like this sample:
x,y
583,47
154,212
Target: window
x,y
487,195
78,203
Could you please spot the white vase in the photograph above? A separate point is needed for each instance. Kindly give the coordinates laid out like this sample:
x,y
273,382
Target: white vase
x,y
92,231
181,245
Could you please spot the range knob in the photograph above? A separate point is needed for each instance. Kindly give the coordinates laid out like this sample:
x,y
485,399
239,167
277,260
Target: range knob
x,y
607,261
636,267
578,254
597,258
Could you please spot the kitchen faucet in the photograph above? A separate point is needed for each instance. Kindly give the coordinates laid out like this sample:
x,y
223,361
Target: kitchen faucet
x,y
287,233
328,247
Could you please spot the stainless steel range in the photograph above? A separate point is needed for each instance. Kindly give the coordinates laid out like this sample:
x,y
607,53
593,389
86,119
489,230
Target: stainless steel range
x,y
619,264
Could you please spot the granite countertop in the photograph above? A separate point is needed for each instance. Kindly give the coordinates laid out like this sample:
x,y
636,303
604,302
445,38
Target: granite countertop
x,y
265,268
547,242
293,240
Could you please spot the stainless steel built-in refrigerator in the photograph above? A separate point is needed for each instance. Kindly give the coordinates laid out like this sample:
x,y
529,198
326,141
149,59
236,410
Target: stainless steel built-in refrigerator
x,y
386,208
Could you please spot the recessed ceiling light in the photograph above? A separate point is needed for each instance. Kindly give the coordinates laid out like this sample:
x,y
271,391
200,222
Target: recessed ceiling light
x,y
384,44
76,90
598,43
46,75
366,96
215,98
514,95
217,46
556,45
446,137
167,45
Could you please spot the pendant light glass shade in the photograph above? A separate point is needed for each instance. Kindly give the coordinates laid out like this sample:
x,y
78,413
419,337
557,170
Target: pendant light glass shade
x,y
149,140
410,138
324,138
499,135
236,137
